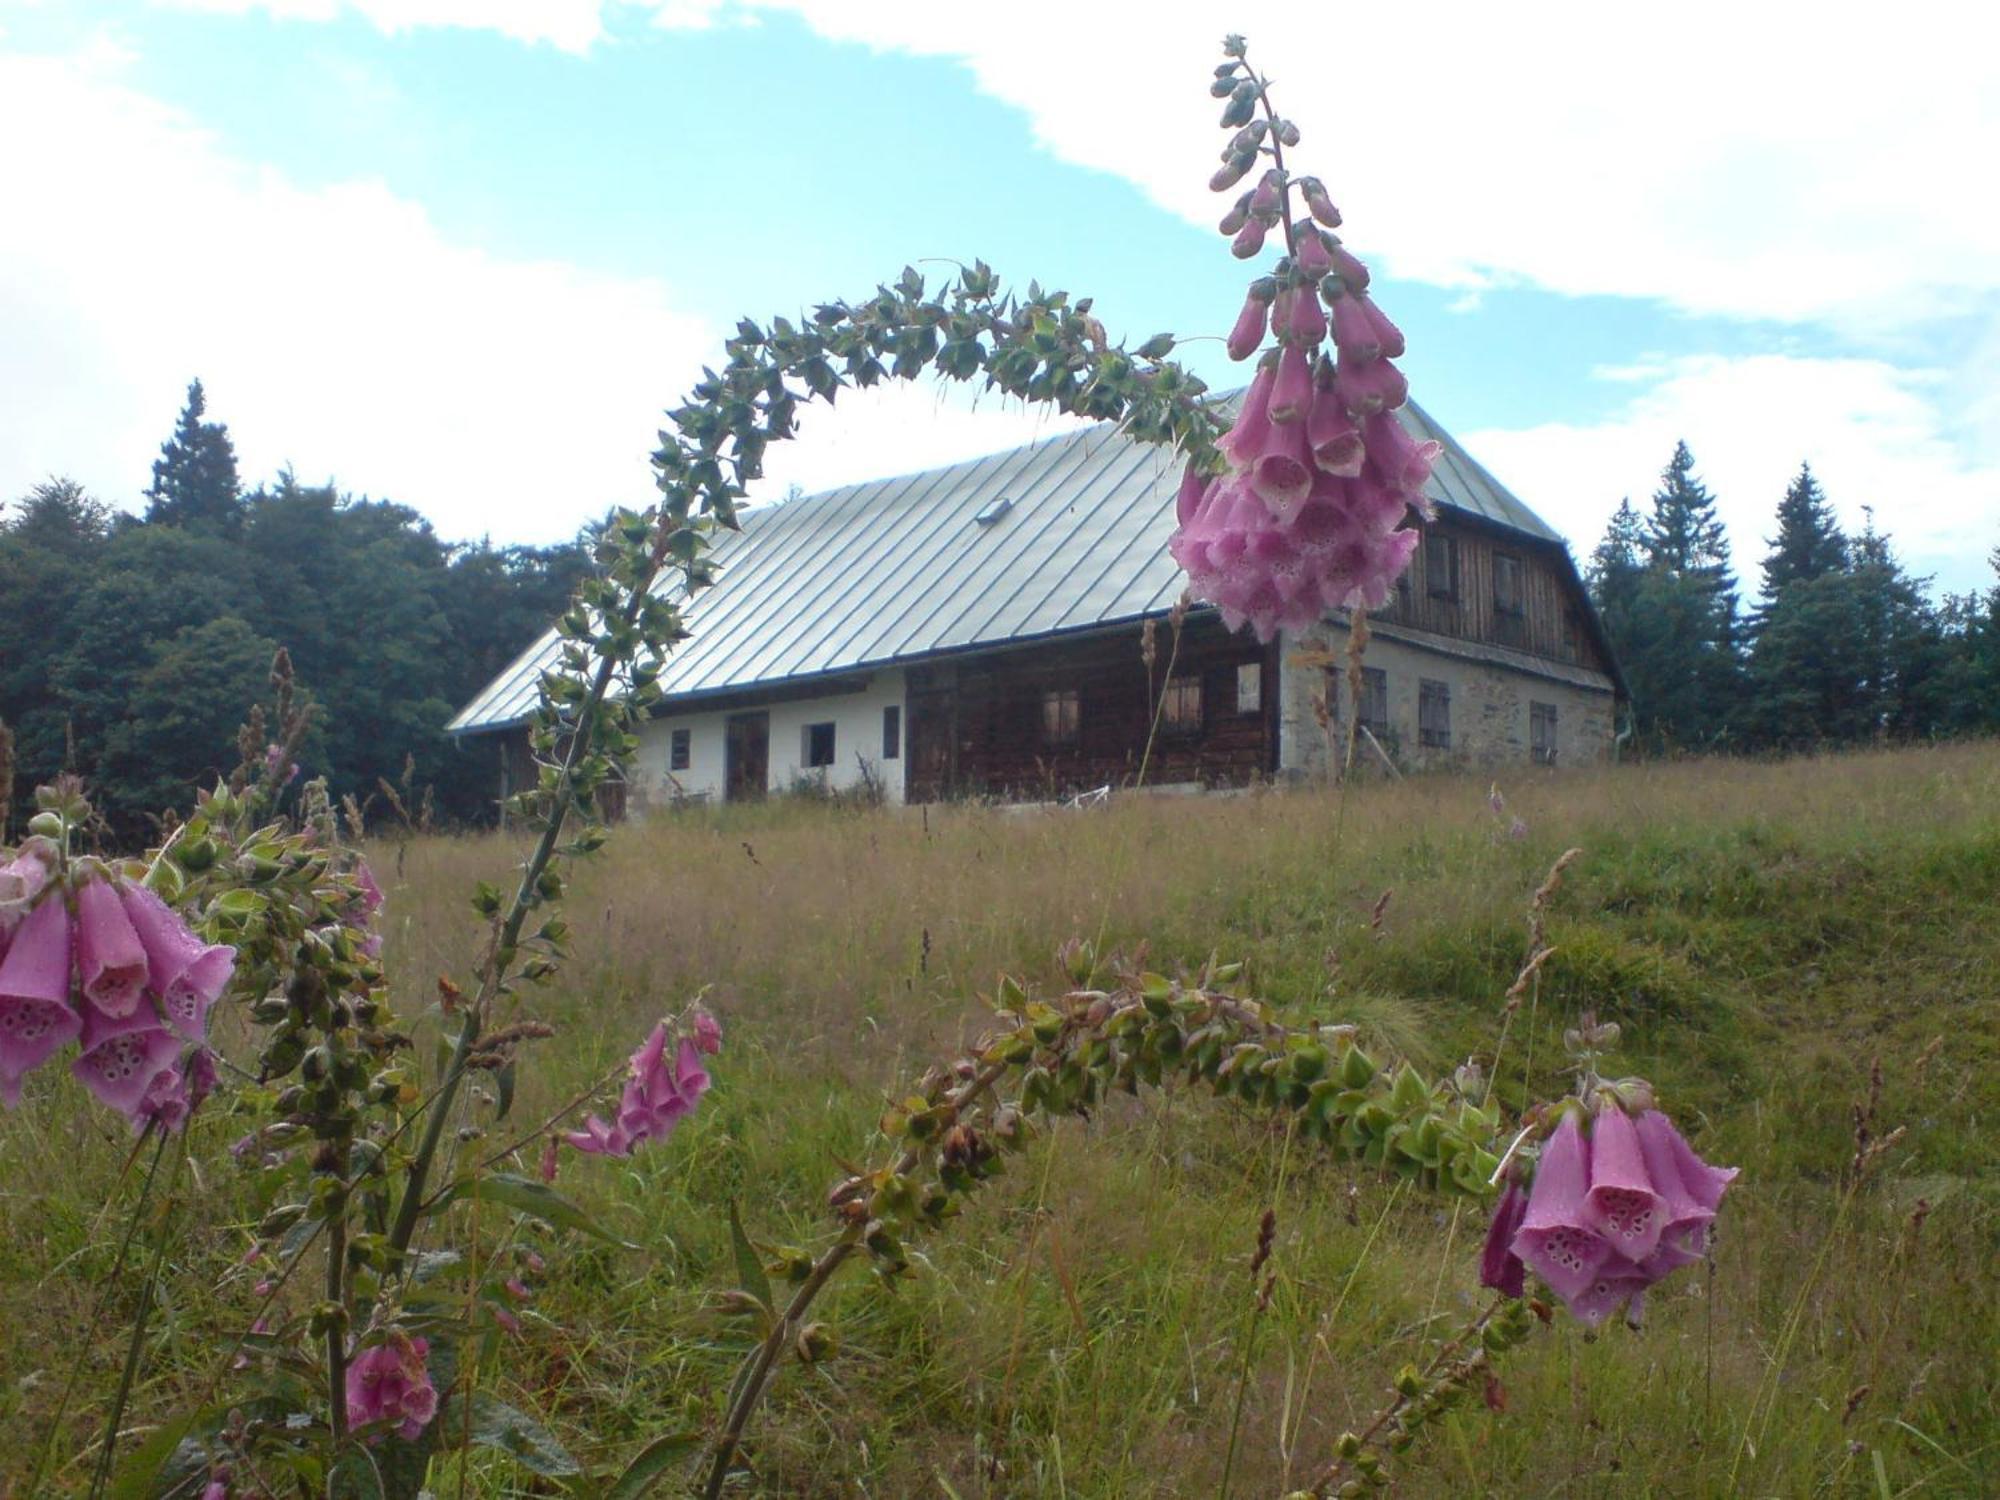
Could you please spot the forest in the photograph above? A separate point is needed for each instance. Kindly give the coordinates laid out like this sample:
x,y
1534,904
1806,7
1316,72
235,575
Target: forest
x,y
170,621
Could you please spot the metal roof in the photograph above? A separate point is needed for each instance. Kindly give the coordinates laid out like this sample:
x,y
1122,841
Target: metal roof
x,y
896,570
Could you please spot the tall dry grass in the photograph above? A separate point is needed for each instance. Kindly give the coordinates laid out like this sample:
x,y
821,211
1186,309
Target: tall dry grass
x,y
1763,932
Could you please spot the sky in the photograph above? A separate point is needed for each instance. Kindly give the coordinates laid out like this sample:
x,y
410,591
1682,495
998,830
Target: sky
x,y
462,254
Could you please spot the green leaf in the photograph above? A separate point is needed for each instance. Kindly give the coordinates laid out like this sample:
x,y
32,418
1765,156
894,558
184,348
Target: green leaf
x,y
355,1476
503,1083
650,1465
495,1424
749,1268
529,1197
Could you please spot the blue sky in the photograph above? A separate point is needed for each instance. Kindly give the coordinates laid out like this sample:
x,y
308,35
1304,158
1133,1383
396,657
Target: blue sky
x,y
461,253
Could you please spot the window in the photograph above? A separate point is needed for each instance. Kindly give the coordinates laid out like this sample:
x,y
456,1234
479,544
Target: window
x,y
1433,714
818,746
1061,716
679,749
892,731
1440,565
1181,712
1249,687
1374,698
1509,585
1542,733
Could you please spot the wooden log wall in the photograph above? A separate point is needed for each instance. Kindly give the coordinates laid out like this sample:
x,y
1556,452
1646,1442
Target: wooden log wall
x,y
1001,750
1549,621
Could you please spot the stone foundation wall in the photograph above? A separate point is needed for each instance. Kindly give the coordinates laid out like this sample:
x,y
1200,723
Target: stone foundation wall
x,y
1490,703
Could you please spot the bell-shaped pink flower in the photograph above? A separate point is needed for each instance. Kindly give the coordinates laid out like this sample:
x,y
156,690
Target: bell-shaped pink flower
x,y
707,1030
1268,199
187,974
1404,463
1312,257
35,1014
1553,1239
1353,273
1622,1205
1354,334
1245,438
122,1056
1615,1284
1388,337
109,955
1249,239
1368,388
1499,1267
389,1388
1337,445
1291,391
1283,473
1251,324
599,1138
1304,322
1195,486
22,880
1686,1210
658,1095
176,1094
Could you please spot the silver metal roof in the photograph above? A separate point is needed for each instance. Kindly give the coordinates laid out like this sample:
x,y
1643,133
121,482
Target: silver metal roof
x,y
896,570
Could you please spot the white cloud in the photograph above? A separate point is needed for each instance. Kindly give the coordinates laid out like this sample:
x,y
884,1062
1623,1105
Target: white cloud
x,y
1778,160
1872,432
571,25
1786,159
339,331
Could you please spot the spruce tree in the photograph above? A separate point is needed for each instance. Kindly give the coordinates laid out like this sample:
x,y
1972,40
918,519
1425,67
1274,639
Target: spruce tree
x,y
1680,655
1809,543
194,479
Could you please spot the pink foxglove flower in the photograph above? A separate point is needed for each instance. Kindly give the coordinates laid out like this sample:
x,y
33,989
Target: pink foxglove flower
x,y
35,1013
123,1056
1310,514
659,1093
22,880
707,1031
1292,390
109,955
1613,1213
187,974
389,1388
1248,334
1554,1241
1499,1267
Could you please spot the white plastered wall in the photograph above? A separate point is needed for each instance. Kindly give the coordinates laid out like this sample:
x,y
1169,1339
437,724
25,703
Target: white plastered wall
x,y
1490,701
857,738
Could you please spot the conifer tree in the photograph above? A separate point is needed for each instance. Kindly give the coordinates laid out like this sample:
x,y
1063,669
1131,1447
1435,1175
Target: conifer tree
x,y
194,479
1809,543
1680,645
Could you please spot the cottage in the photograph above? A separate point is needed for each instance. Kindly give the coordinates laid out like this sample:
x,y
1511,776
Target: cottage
x,y
1004,628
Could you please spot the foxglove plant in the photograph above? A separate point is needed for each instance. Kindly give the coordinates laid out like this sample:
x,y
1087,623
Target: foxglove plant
x,y
1318,477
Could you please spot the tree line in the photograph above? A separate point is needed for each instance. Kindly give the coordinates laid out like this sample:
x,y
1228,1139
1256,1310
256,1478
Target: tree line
x,y
1841,646
132,646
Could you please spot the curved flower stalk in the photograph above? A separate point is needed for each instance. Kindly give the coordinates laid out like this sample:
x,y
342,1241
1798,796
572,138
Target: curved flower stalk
x,y
1318,478
1060,1055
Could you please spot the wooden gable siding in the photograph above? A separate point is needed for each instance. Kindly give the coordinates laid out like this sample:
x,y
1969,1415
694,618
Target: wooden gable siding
x,y
991,707
1551,618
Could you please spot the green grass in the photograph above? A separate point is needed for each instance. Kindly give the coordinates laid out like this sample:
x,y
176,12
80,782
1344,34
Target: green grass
x,y
1766,933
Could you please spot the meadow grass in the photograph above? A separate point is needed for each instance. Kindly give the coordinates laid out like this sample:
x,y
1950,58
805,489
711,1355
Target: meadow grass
x,y
1766,934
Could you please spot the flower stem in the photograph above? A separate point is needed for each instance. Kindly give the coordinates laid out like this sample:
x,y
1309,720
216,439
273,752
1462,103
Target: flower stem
x,y
507,938
136,1342
756,1374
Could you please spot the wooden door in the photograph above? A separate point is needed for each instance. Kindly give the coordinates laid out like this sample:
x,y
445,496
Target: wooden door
x,y
932,768
746,757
